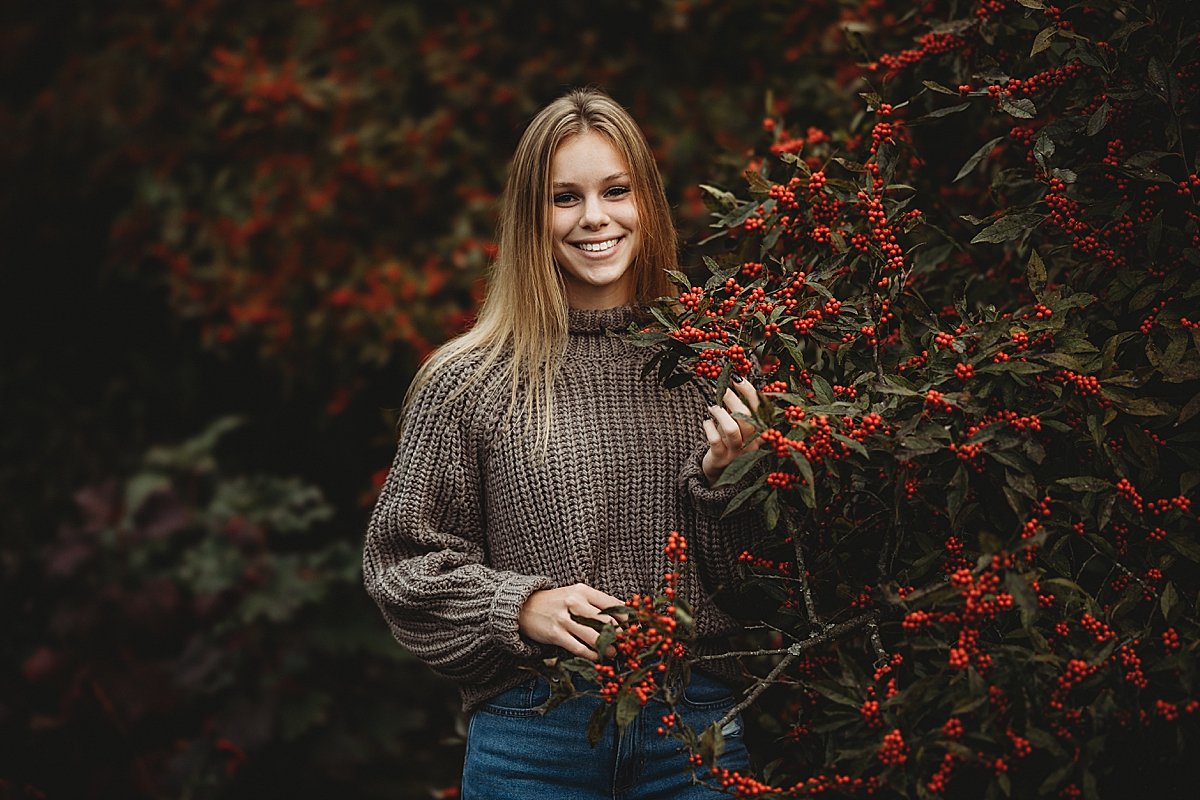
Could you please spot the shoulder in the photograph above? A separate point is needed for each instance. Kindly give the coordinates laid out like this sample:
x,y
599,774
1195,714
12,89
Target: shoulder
x,y
453,387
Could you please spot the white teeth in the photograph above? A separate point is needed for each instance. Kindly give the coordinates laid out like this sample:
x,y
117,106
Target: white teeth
x,y
596,247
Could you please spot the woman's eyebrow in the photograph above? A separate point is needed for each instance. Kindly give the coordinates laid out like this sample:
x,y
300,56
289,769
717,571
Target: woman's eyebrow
x,y
612,177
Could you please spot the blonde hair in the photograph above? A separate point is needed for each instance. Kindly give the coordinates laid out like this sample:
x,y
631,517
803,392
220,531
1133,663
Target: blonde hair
x,y
521,330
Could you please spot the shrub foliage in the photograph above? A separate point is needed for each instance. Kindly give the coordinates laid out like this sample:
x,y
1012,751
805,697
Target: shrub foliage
x,y
974,307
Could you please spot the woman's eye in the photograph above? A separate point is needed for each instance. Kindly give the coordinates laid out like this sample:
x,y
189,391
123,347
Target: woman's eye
x,y
617,191
564,198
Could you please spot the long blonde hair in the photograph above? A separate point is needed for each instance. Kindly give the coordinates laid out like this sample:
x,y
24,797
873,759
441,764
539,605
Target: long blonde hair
x,y
521,330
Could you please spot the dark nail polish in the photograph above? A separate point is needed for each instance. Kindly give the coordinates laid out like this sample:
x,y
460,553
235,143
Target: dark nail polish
x,y
737,378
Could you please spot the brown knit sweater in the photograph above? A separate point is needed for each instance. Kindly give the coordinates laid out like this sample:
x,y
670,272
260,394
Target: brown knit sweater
x,y
471,521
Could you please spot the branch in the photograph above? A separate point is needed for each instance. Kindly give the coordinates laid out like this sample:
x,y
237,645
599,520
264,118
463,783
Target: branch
x,y
791,654
801,569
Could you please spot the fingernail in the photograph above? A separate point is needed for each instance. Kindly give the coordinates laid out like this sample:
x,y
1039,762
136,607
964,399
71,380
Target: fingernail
x,y
737,378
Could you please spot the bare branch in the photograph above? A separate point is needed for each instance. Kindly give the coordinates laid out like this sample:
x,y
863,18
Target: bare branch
x,y
792,653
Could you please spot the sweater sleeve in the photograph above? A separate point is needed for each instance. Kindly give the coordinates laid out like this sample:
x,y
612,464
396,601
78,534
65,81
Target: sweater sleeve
x,y
425,556
718,542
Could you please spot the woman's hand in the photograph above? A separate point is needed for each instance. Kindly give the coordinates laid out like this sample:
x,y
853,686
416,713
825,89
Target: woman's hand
x,y
728,437
546,617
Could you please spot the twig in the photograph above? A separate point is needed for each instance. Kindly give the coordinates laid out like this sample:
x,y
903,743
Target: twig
x,y
791,654
877,643
801,570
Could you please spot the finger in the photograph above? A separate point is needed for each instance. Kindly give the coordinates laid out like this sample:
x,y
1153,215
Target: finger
x,y
573,646
583,634
734,402
739,411
748,392
713,437
602,600
729,428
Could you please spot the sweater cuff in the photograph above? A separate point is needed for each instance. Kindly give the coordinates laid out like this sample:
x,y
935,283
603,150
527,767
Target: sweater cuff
x,y
506,605
708,500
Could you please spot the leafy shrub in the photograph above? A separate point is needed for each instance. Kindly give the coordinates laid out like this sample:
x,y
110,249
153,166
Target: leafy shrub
x,y
974,303
202,635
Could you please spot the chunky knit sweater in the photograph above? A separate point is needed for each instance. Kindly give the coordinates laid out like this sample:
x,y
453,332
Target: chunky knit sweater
x,y
471,519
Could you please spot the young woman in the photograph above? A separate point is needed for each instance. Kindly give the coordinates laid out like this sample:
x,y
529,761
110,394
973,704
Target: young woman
x,y
538,473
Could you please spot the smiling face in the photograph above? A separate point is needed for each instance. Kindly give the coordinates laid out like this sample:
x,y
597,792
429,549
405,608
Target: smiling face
x,y
594,221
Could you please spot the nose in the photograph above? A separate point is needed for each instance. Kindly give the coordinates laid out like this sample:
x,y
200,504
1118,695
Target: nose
x,y
592,213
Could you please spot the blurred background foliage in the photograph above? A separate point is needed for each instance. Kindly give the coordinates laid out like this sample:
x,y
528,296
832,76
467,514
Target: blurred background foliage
x,y
231,230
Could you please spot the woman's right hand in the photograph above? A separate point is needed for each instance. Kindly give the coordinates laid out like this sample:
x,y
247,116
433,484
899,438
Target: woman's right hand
x,y
546,617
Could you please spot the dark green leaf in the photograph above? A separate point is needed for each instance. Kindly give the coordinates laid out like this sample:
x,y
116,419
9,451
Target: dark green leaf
x,y
599,722
1035,273
1021,108
1185,546
978,156
942,112
1098,120
937,87
771,509
1086,484
1009,226
740,466
1145,407
1169,602
627,709
1190,409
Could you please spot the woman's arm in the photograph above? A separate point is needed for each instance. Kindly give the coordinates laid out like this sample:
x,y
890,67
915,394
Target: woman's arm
x,y
424,560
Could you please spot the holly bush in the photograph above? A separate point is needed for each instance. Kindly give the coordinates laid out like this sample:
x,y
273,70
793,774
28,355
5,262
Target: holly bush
x,y
972,303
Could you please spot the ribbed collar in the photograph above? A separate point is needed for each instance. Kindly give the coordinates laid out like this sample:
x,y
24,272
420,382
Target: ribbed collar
x,y
601,321
596,335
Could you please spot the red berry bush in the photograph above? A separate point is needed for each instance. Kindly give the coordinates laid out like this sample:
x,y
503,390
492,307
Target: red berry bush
x,y
971,303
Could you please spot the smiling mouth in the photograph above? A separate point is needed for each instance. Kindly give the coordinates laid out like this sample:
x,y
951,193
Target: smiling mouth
x,y
597,247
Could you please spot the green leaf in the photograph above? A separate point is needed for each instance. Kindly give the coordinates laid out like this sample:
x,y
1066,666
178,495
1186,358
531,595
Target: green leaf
x,y
1157,74
1035,273
679,279
807,490
1145,406
1009,227
1169,602
1023,593
1098,120
1086,484
628,708
1190,409
942,112
1042,40
1185,546
978,156
1023,483
141,486
711,743
740,499
1021,108
937,87
957,493
1055,779
740,466
598,722
589,622
771,509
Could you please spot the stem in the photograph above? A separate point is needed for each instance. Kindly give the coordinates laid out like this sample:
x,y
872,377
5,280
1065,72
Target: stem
x,y
791,654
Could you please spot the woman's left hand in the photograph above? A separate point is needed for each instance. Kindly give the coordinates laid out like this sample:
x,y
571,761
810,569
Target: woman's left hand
x,y
728,437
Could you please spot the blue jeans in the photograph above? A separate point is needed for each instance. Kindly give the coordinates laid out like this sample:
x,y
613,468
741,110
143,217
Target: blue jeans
x,y
515,752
